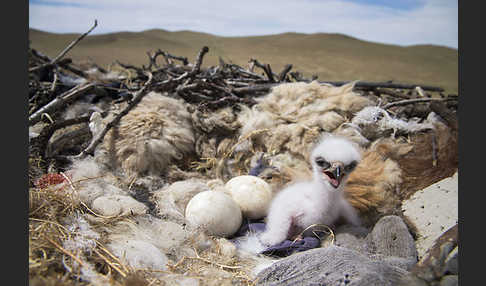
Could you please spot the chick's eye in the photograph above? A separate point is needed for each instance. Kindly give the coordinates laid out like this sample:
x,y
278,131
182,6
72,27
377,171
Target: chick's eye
x,y
350,167
322,163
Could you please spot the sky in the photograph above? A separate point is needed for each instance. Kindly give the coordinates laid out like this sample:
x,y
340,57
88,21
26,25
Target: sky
x,y
398,22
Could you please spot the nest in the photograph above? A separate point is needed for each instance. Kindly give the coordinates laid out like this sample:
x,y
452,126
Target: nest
x,y
182,122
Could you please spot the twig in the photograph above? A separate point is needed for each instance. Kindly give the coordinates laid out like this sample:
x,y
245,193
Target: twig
x,y
121,272
99,137
64,251
266,68
284,72
392,93
140,72
370,85
197,65
268,71
59,101
213,263
67,49
54,82
73,43
168,59
38,145
410,101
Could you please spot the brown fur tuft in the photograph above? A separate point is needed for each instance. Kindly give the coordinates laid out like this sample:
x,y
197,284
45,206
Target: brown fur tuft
x,y
156,133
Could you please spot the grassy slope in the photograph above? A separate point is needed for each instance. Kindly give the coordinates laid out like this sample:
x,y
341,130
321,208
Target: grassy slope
x,y
330,56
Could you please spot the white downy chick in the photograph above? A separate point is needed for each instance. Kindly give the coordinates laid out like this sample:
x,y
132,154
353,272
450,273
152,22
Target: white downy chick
x,y
320,201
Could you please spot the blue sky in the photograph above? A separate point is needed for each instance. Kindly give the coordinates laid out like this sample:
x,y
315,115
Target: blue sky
x,y
399,22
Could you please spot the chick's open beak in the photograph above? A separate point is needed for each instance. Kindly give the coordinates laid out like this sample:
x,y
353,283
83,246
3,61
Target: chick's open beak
x,y
334,173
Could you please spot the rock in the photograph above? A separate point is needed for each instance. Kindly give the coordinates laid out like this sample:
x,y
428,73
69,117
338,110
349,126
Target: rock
x,y
433,210
440,259
449,280
215,212
139,254
390,237
252,194
332,265
113,205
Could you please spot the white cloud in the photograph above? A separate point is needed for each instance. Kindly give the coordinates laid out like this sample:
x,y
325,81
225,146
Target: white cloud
x,y
433,22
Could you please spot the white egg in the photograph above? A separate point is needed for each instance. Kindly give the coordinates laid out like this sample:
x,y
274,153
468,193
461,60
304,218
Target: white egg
x,y
252,194
214,211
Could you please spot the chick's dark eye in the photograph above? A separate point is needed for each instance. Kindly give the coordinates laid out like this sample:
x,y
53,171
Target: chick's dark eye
x,y
350,167
321,162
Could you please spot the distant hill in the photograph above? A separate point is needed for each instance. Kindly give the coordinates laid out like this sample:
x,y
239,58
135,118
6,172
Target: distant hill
x,y
333,57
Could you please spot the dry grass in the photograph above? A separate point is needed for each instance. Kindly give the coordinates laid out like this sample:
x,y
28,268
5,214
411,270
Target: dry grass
x,y
51,263
332,57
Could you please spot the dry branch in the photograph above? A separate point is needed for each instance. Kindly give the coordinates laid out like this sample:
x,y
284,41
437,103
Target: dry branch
x,y
99,137
60,101
266,68
67,49
410,101
284,72
372,85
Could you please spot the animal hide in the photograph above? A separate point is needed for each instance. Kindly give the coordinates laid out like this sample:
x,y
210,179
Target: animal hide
x,y
154,134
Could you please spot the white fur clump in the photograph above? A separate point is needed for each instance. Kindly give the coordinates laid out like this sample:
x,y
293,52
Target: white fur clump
x,y
154,134
139,254
83,236
215,212
91,181
373,120
118,205
81,243
251,243
171,201
84,169
168,237
82,108
252,194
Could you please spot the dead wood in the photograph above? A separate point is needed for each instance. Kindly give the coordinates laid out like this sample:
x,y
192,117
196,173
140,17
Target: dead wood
x,y
60,101
99,137
38,145
168,59
284,72
371,85
414,100
67,49
266,68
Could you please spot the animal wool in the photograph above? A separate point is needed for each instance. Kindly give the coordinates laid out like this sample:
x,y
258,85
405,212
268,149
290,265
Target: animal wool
x,y
300,108
155,133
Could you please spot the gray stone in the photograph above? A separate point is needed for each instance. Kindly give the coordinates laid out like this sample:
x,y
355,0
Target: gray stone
x,y
449,280
390,237
332,265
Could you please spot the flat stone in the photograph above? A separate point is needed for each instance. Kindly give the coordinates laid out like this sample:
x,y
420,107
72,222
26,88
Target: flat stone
x,y
433,210
390,237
